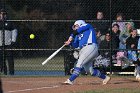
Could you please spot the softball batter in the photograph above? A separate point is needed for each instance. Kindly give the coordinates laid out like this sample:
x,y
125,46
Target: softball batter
x,y
84,37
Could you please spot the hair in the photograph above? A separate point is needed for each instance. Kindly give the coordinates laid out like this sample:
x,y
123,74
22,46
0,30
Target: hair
x,y
116,25
107,33
99,12
120,14
132,30
3,10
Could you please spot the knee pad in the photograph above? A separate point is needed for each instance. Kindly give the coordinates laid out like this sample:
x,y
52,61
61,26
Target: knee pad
x,y
77,71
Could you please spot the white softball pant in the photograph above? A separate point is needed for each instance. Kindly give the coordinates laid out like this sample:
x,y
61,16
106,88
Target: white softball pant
x,y
86,56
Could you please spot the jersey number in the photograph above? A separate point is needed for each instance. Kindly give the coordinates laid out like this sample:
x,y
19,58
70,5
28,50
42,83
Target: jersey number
x,y
80,36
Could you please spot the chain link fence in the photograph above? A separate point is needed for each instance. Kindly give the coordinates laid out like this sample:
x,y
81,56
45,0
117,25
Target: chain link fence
x,y
51,22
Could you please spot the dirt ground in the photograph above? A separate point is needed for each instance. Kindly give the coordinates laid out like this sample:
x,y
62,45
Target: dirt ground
x,y
54,84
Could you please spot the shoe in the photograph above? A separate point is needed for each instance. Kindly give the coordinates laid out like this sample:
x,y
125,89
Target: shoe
x,y
68,82
106,80
138,78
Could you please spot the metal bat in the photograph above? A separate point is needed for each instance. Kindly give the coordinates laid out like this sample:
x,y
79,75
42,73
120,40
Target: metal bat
x,y
51,56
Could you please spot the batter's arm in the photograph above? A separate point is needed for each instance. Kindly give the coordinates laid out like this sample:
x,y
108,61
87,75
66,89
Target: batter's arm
x,y
83,28
80,30
75,42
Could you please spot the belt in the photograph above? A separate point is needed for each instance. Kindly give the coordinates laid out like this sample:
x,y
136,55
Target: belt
x,y
86,44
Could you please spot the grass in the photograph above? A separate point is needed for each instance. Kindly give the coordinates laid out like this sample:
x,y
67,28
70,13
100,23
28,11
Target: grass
x,y
120,90
57,63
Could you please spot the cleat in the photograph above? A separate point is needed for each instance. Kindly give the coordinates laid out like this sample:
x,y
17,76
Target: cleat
x,y
68,82
138,78
106,80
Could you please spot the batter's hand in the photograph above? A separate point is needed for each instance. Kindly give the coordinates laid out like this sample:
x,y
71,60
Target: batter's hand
x,y
69,41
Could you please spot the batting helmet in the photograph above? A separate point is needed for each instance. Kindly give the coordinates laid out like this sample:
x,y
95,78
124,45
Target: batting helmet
x,y
79,22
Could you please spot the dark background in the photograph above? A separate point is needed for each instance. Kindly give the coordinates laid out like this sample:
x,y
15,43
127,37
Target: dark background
x,y
52,34
70,9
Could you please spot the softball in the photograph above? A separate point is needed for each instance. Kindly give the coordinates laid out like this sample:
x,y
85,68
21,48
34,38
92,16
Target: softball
x,y
32,36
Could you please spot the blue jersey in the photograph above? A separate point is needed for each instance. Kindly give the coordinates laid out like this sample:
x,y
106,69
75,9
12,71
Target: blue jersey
x,y
86,34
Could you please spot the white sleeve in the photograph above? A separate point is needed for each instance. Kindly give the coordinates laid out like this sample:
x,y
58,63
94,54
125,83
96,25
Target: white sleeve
x,y
14,35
